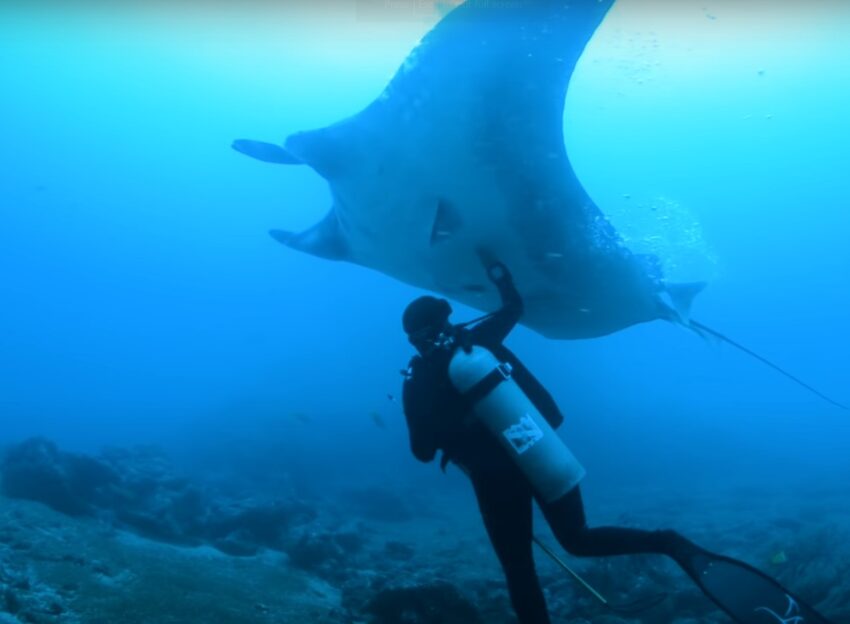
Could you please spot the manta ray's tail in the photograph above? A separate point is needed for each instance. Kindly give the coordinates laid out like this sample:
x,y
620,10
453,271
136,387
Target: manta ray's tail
x,y
705,331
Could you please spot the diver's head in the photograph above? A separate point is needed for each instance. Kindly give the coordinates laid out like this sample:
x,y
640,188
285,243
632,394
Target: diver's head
x,y
425,320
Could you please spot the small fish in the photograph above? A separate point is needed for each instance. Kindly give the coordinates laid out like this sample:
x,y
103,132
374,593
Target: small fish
x,y
392,399
779,558
379,421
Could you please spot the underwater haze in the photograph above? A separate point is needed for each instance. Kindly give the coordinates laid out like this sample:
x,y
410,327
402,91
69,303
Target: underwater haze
x,y
144,304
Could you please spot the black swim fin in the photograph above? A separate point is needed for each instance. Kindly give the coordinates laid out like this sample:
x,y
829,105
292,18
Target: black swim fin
x,y
745,594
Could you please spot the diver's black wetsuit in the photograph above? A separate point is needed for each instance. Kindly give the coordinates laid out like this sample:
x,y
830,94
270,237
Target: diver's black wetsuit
x,y
437,420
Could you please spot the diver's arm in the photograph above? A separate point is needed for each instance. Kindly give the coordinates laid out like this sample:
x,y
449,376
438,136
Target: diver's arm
x,y
422,442
496,328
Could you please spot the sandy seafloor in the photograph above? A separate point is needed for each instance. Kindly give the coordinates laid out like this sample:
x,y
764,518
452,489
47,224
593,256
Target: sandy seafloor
x,y
90,569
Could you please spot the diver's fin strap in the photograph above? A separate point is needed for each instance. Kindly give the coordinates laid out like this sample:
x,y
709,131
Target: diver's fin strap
x,y
488,383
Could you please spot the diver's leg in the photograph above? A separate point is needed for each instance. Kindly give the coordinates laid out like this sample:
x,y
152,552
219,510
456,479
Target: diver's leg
x,y
737,587
567,519
505,504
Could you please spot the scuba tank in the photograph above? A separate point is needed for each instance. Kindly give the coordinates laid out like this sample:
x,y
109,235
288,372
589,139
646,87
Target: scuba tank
x,y
505,410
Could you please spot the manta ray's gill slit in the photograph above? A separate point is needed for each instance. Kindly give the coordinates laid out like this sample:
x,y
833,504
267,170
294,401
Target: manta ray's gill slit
x,y
447,222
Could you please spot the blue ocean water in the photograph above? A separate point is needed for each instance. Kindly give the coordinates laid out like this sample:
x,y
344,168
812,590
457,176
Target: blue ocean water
x,y
143,301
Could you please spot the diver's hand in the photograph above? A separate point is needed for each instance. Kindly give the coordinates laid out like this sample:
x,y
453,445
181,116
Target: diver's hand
x,y
496,271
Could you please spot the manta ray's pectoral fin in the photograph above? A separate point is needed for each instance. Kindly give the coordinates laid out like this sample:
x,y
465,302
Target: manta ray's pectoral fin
x,y
267,152
325,239
447,221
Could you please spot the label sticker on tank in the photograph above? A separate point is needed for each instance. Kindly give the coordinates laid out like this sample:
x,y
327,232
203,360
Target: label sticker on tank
x,y
523,435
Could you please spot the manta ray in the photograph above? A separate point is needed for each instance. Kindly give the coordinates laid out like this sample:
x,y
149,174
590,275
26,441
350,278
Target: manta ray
x,y
464,150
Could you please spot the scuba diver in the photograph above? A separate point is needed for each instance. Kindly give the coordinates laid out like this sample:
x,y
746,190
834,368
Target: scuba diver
x,y
467,395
